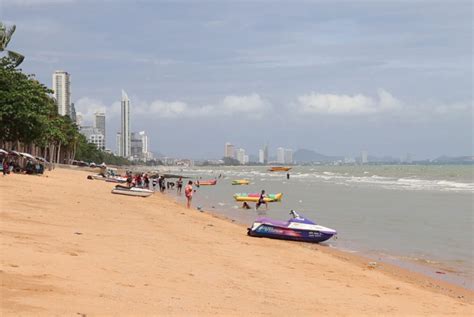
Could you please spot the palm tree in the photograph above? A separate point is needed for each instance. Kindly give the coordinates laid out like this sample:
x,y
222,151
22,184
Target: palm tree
x,y
5,37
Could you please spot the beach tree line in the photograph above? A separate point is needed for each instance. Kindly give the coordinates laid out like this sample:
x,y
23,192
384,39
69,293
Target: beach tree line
x,y
29,120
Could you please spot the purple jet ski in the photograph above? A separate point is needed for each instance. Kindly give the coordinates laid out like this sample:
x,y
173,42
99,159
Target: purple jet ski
x,y
297,228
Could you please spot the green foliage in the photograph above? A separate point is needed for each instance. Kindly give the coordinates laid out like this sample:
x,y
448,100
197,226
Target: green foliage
x,y
29,115
6,34
230,161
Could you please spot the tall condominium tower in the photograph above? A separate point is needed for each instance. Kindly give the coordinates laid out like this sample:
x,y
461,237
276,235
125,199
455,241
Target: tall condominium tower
x,y
265,154
229,150
99,122
62,92
118,144
125,126
281,155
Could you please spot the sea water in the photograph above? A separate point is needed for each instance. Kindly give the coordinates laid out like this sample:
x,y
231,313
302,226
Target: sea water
x,y
416,215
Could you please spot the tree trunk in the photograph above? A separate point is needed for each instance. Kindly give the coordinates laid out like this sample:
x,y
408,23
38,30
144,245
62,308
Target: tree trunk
x,y
58,160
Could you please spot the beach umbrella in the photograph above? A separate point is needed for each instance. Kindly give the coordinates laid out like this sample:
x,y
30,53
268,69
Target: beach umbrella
x,y
2,151
28,156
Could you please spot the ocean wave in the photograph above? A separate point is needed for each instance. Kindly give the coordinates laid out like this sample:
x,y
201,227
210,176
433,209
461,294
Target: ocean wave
x,y
394,183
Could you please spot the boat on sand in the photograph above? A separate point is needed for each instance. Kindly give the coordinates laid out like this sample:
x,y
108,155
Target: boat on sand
x,y
132,191
297,229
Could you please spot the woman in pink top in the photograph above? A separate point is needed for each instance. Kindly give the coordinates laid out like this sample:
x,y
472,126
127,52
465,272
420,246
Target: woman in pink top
x,y
188,192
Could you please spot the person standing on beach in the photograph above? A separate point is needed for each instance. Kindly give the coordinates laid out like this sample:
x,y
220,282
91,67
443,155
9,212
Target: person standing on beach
x,y
179,185
261,200
5,167
188,192
287,175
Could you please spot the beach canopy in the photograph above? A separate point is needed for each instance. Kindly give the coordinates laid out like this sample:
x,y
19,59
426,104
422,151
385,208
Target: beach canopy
x,y
28,156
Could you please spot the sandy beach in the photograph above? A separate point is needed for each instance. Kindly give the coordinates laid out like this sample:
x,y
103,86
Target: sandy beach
x,y
70,247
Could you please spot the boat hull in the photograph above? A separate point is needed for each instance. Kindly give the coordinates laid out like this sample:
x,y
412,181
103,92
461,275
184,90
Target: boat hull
x,y
241,182
116,180
206,183
131,192
276,232
279,169
254,198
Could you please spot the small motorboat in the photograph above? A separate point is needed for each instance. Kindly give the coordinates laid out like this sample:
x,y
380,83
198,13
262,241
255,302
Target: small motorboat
x,y
269,198
297,229
206,182
132,191
279,169
97,177
116,179
240,182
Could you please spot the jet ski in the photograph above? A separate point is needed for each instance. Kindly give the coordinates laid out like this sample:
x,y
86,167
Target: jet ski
x,y
297,229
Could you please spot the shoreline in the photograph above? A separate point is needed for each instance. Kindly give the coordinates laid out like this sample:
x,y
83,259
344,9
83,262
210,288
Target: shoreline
x,y
438,271
69,246
362,260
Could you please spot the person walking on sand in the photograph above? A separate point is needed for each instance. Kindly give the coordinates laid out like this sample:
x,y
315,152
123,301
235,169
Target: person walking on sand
x,y
179,185
261,200
287,175
188,192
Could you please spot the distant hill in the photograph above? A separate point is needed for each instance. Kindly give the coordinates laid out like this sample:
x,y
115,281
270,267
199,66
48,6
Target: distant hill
x,y
308,156
459,159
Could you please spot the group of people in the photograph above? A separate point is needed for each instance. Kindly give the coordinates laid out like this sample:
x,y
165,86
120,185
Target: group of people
x,y
31,167
139,180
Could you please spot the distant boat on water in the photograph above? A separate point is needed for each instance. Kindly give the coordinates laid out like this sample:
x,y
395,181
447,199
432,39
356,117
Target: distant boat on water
x,y
279,169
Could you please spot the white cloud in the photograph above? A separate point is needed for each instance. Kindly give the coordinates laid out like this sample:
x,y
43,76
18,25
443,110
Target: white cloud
x,y
251,106
348,105
87,107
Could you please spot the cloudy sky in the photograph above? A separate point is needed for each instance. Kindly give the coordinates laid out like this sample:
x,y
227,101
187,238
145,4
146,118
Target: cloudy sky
x,y
338,77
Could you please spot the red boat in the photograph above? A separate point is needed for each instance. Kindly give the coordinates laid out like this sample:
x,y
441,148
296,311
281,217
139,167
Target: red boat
x,y
206,182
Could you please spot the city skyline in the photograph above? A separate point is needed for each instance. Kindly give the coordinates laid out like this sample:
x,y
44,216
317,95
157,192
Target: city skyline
x,y
334,81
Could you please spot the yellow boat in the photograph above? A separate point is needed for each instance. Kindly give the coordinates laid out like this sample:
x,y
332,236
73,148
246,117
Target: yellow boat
x,y
254,197
279,169
240,182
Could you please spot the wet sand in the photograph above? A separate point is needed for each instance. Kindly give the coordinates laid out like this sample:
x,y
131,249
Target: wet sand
x,y
70,247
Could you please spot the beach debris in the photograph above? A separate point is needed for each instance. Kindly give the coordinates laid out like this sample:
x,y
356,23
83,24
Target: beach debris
x,y
440,272
78,233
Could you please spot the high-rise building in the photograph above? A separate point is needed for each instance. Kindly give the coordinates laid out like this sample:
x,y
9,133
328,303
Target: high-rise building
x,y
229,150
364,157
281,155
93,135
73,113
136,146
265,154
79,119
240,155
261,156
144,138
288,156
62,92
99,122
125,147
118,144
